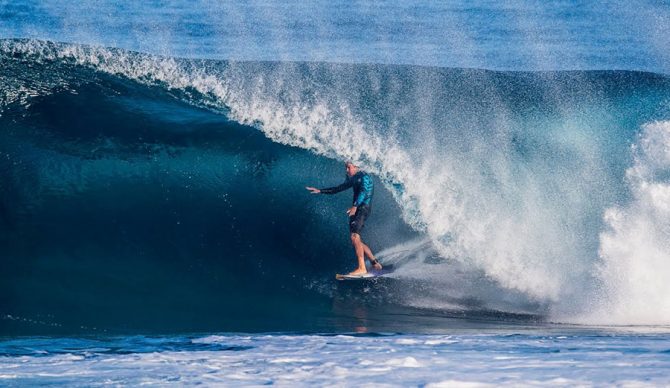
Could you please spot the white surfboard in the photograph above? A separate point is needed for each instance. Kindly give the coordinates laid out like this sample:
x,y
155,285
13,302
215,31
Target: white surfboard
x,y
370,275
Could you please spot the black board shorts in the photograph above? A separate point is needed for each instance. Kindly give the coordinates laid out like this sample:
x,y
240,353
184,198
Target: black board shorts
x,y
358,220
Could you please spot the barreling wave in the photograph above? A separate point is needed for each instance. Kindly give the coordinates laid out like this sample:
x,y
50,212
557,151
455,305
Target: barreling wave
x,y
496,182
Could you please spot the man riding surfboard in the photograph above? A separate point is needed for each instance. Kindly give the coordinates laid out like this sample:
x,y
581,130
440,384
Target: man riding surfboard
x,y
361,207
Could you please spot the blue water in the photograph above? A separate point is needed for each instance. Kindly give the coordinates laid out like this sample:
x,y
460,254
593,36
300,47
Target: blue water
x,y
153,159
515,35
459,359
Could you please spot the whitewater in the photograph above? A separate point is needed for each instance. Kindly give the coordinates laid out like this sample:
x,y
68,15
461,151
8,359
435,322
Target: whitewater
x,y
156,187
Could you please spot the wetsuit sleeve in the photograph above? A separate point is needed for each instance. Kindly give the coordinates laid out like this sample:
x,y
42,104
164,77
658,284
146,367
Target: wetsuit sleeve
x,y
366,190
334,190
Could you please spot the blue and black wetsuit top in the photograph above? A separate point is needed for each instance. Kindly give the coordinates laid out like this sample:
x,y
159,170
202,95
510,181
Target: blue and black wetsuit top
x,y
363,188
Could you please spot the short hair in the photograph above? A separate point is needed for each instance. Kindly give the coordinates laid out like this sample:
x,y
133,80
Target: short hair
x,y
349,162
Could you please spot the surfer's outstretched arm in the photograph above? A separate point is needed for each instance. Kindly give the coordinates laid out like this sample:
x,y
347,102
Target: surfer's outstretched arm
x,y
334,190
331,190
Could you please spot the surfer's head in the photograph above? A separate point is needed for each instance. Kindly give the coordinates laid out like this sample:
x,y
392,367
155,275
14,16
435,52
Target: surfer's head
x,y
352,169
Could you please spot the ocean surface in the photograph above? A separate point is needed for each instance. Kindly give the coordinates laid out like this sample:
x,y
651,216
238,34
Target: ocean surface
x,y
155,227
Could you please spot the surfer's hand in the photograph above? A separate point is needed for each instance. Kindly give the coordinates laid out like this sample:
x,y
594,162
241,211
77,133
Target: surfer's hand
x,y
313,190
352,211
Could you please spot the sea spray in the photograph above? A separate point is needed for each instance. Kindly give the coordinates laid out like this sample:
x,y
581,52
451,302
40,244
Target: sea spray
x,y
635,247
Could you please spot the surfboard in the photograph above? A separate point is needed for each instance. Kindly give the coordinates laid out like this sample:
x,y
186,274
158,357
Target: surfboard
x,y
370,275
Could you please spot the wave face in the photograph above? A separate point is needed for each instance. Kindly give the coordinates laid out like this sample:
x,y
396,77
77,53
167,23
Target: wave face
x,y
154,192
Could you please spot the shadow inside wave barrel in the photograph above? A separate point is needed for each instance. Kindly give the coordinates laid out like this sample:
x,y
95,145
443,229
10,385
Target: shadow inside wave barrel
x,y
125,208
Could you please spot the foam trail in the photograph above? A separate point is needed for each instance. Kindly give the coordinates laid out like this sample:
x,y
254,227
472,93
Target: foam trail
x,y
635,250
401,254
434,281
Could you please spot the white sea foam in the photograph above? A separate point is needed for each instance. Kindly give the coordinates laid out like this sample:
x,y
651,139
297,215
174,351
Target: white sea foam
x,y
307,360
458,383
635,249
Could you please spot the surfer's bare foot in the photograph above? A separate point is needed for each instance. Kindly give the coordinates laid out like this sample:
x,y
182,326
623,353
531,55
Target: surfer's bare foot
x,y
375,264
359,271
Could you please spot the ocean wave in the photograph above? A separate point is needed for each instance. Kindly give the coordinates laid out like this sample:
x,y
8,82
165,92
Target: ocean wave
x,y
505,176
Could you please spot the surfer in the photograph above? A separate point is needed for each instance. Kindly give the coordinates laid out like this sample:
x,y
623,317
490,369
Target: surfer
x,y
358,212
